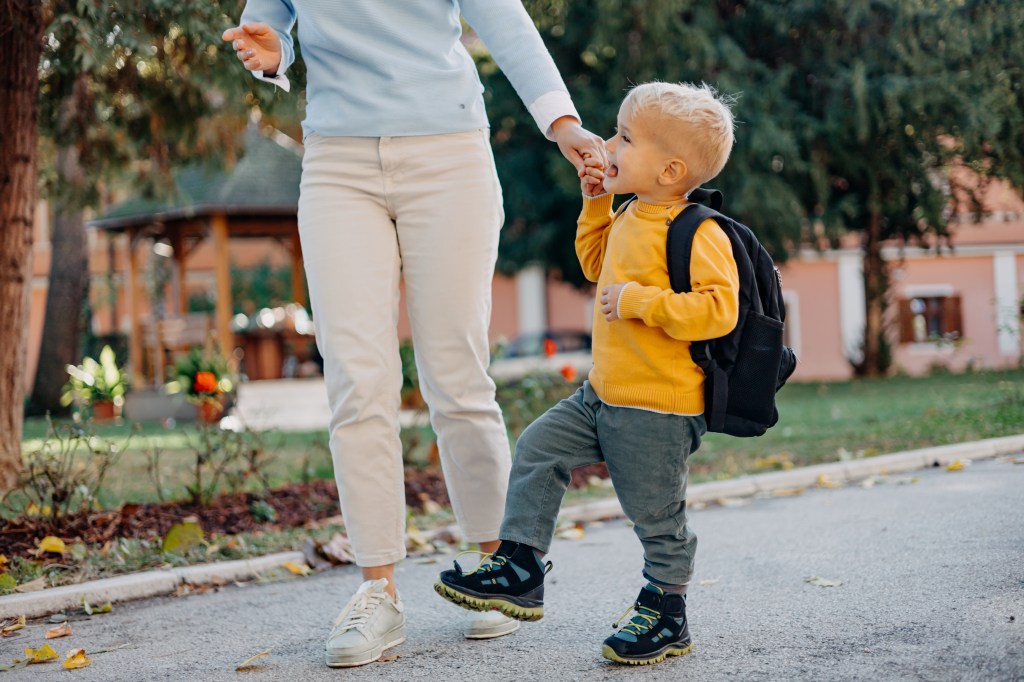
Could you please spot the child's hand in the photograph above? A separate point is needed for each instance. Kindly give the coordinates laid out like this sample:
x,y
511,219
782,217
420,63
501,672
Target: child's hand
x,y
592,177
610,300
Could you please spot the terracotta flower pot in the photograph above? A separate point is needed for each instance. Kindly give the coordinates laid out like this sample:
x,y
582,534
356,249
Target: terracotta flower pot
x,y
104,411
209,411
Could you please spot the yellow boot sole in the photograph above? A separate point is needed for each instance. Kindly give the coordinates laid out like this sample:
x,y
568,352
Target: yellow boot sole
x,y
610,654
477,604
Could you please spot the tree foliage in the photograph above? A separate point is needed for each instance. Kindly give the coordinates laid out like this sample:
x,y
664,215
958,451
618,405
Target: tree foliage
x,y
851,115
129,91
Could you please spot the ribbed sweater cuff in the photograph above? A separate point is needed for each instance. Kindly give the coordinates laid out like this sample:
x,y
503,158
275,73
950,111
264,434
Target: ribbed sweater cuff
x,y
631,301
597,207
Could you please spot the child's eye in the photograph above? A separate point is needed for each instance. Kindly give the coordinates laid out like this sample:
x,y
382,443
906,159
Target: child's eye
x,y
625,138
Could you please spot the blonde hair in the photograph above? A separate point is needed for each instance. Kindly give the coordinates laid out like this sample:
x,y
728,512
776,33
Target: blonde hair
x,y
694,120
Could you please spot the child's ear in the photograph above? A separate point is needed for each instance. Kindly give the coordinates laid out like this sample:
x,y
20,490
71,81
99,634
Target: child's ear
x,y
674,171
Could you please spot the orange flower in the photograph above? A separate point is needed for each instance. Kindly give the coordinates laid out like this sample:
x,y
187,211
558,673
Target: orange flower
x,y
206,382
550,348
569,372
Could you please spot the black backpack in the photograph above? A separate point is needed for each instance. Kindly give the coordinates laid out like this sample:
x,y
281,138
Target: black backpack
x,y
744,369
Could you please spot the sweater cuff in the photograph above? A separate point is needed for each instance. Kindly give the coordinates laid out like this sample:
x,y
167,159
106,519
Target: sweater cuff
x,y
550,107
631,302
597,207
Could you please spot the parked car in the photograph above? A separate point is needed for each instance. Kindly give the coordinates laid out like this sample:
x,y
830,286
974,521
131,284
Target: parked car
x,y
547,343
547,351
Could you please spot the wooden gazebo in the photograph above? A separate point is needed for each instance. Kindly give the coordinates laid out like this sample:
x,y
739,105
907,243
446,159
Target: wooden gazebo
x,y
256,198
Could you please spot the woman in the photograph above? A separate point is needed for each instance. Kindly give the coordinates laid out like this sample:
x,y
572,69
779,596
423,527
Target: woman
x,y
398,181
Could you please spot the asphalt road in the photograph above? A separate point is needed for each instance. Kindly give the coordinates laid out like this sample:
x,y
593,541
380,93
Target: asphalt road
x,y
932,589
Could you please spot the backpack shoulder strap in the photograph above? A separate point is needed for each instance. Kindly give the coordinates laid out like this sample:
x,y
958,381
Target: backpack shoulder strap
x,y
711,197
680,242
622,207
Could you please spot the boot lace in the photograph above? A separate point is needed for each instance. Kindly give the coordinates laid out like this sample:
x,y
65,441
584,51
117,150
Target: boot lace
x,y
643,621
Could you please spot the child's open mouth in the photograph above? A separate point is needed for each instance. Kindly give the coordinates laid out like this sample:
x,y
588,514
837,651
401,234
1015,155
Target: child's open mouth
x,y
612,171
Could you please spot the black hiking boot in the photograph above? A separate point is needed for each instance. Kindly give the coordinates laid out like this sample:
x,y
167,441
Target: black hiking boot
x,y
657,630
511,580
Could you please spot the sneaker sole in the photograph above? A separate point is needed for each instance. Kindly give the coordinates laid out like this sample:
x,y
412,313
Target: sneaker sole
x,y
506,628
472,603
610,654
371,656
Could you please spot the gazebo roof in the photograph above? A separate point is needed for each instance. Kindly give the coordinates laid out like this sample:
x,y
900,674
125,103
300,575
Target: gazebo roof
x,y
264,182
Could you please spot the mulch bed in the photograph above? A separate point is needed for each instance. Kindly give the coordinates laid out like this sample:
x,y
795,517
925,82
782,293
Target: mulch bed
x,y
294,505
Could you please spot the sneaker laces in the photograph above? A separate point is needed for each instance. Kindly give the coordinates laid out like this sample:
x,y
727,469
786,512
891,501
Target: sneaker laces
x,y
358,610
488,562
643,621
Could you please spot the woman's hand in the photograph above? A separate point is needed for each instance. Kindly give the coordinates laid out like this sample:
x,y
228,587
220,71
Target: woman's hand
x,y
576,143
257,46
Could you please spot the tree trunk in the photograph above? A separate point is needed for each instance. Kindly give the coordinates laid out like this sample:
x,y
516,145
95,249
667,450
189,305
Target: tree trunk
x,y
21,28
874,363
69,274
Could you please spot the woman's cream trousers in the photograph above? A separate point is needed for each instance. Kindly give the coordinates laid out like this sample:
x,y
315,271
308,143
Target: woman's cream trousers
x,y
428,210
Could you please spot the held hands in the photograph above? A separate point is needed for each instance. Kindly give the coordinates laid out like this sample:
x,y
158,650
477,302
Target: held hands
x,y
576,142
257,46
610,300
592,177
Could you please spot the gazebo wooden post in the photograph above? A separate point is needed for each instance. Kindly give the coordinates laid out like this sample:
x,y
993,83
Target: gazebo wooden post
x,y
180,290
298,271
219,227
134,306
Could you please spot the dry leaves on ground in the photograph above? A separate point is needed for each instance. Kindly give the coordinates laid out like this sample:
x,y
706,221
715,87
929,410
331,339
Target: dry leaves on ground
x,y
62,630
297,569
249,663
11,625
76,658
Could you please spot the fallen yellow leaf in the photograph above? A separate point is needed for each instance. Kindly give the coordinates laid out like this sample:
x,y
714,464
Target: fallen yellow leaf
x,y
385,659
296,569
248,663
955,465
3,562
90,609
62,630
824,481
709,582
32,585
41,655
12,625
787,492
51,544
76,658
570,533
182,537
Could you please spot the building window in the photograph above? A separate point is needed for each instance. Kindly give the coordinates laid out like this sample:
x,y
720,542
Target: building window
x,y
930,319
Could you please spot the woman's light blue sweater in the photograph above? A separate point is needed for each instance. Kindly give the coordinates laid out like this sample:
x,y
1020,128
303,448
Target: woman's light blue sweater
x,y
397,67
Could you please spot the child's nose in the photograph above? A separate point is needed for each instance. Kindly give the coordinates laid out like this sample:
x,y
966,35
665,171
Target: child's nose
x,y
609,144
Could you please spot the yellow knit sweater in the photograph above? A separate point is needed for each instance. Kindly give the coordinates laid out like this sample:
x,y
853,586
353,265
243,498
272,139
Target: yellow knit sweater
x,y
643,360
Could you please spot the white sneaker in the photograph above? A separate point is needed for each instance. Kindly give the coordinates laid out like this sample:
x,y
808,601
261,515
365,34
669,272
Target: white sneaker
x,y
489,624
370,623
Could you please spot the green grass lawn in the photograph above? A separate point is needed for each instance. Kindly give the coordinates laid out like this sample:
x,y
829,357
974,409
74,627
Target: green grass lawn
x,y
826,422
819,422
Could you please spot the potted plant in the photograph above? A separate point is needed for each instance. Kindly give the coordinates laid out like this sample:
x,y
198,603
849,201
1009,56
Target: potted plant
x,y
98,383
204,377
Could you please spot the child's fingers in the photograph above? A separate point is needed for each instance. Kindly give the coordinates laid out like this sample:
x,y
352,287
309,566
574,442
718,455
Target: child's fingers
x,y
592,161
232,33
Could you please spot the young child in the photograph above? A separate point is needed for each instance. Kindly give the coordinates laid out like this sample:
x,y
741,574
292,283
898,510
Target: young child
x,y
641,410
